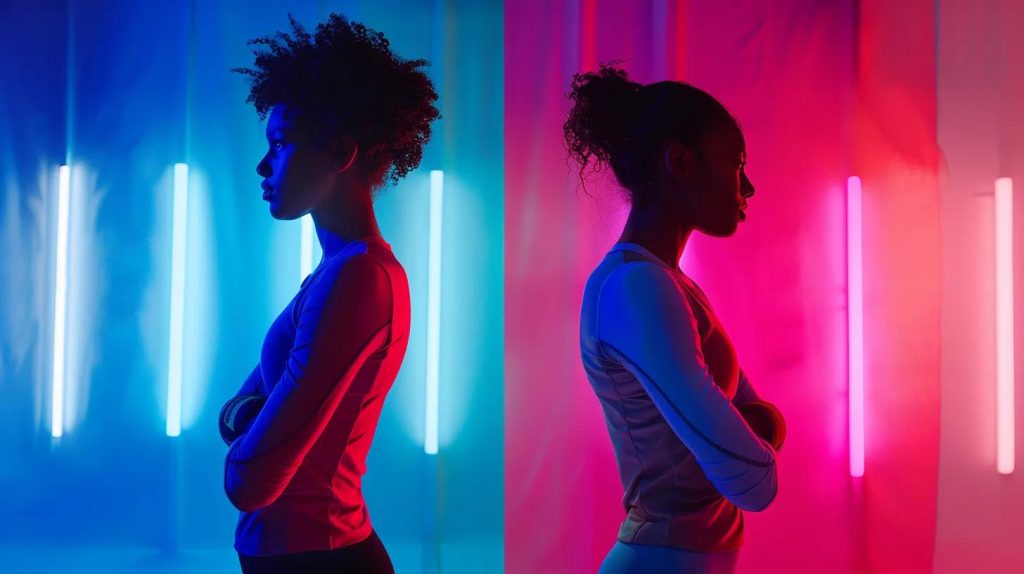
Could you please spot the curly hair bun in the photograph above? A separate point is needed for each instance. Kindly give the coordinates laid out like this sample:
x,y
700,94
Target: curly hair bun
x,y
603,108
621,123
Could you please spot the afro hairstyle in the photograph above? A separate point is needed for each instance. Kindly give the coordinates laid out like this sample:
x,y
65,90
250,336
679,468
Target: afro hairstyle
x,y
346,78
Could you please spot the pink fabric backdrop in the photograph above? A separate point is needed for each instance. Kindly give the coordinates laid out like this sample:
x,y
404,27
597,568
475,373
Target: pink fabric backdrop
x,y
823,90
981,132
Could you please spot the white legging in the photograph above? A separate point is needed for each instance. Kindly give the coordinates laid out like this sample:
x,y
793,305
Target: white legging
x,y
642,559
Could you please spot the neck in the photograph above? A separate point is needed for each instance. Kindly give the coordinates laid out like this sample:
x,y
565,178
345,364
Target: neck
x,y
651,228
346,218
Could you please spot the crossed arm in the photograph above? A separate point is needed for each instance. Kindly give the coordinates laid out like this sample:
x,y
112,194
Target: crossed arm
x,y
645,323
341,324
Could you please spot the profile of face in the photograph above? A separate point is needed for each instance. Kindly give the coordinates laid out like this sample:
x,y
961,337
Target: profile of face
x,y
298,175
712,186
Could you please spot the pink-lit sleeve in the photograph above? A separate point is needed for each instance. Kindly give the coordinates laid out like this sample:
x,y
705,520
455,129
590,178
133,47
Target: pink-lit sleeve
x,y
340,325
646,324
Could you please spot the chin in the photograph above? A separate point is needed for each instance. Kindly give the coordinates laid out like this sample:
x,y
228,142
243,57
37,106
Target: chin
x,y
724,230
283,213
279,213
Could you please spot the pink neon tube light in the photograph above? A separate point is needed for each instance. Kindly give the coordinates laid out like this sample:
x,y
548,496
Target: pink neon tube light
x,y
1004,326
855,306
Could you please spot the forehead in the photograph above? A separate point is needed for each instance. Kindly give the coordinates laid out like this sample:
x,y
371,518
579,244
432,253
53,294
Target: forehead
x,y
283,118
727,139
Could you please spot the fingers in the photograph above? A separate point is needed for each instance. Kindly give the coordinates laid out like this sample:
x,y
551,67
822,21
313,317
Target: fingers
x,y
237,415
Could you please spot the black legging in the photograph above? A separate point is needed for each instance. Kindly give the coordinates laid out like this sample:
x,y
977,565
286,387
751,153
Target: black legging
x,y
368,556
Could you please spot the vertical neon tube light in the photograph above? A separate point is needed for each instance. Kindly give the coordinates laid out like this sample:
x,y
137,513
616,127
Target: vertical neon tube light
x,y
60,291
430,437
306,248
1004,326
855,306
179,240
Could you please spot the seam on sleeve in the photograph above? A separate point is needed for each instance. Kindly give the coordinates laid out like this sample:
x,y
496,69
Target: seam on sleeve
x,y
622,357
686,420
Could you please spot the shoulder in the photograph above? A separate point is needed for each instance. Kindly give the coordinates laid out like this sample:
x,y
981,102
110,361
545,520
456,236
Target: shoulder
x,y
360,275
363,267
638,280
642,296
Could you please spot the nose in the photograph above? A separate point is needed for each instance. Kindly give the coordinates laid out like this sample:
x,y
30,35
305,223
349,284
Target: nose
x,y
263,168
746,188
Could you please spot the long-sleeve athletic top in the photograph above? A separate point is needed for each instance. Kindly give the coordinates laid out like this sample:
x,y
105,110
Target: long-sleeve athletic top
x,y
666,376
326,365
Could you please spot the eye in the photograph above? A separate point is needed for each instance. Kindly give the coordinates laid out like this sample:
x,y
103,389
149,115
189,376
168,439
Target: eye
x,y
276,145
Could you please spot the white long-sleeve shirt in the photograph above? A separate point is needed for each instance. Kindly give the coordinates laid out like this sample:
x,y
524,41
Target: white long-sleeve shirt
x,y
666,376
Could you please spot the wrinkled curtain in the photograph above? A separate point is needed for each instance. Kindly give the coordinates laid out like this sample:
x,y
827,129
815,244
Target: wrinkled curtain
x,y
823,91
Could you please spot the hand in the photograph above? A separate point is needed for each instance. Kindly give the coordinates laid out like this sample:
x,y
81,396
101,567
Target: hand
x,y
765,419
237,415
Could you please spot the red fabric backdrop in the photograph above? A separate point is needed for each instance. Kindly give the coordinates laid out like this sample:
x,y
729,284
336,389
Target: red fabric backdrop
x,y
823,90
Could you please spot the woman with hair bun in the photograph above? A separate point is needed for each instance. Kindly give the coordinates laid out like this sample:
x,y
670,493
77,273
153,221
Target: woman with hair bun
x,y
694,442
346,115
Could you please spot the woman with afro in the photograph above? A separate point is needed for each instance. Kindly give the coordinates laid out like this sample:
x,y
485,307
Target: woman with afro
x,y
346,115
695,444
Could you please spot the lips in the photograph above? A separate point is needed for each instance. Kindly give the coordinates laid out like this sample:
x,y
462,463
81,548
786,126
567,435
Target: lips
x,y
267,191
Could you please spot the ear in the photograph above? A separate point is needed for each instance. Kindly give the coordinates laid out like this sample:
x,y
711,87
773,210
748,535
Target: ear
x,y
343,153
679,160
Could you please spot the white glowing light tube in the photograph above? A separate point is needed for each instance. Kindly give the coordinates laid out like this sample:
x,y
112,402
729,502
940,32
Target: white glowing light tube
x,y
60,304
179,241
430,439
